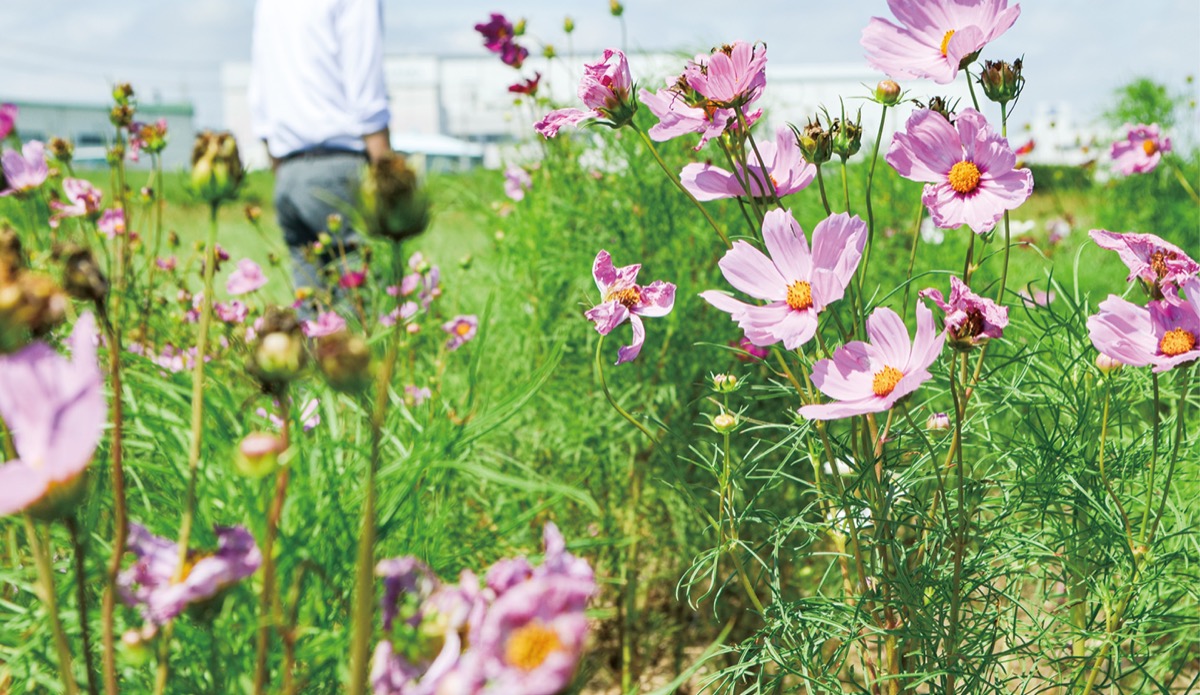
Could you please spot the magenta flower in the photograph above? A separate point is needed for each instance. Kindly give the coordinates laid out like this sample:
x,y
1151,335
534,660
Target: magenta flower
x,y
84,197
112,222
1141,150
461,328
786,168
1164,334
516,182
513,55
24,170
8,119
327,323
797,283
967,168
749,351
497,32
153,583
871,377
55,408
935,38
604,89
622,299
527,87
970,318
1148,257
352,279
246,278
734,76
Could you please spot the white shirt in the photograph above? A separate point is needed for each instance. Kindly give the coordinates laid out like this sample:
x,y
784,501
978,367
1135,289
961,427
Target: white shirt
x,y
317,74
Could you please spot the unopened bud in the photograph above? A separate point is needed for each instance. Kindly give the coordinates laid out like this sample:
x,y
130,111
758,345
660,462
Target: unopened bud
x,y
887,92
333,223
121,115
61,149
393,204
258,454
122,92
278,353
616,8
82,277
725,383
1002,82
519,27
846,138
345,360
814,142
938,422
548,51
725,423
216,166
568,24
1107,365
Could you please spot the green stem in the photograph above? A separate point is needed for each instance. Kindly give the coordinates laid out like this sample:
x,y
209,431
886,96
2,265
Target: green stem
x,y
821,186
612,401
732,540
261,673
912,256
679,184
871,180
971,87
50,599
1104,473
1155,428
846,187
80,552
1184,182
1007,230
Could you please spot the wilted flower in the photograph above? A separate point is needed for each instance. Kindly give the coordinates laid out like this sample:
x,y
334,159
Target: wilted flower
x,y
528,87
1141,150
797,283
786,170
870,377
216,166
392,202
61,149
151,137
1163,334
462,328
1157,262
246,278
604,89
161,589
734,76
85,201
55,410
967,167
845,136
516,182
970,318
24,170
936,38
622,299
815,142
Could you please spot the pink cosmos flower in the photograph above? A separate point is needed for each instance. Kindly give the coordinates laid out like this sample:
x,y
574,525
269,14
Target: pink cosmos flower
x,y
681,110
417,395
967,168
8,119
151,583
168,263
462,328
513,55
604,89
84,197
797,283
1158,262
786,168
970,318
871,377
734,76
112,222
516,182
622,299
1165,333
246,278
497,32
55,408
403,312
327,323
234,312
352,279
1141,150
749,351
24,170
935,37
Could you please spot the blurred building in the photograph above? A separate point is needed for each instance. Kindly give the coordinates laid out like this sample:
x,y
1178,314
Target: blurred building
x,y
87,126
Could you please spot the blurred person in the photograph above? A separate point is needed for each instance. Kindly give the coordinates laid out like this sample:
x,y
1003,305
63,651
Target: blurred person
x,y
319,103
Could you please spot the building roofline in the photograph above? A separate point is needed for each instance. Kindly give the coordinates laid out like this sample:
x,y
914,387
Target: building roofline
x,y
158,109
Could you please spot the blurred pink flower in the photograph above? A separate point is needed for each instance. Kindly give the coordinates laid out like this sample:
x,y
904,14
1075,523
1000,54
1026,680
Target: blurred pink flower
x,y
55,409
84,197
234,312
403,312
622,299
786,168
870,377
497,32
112,222
418,395
750,351
970,318
310,415
8,119
967,169
167,263
352,279
327,323
1163,334
516,182
1148,257
935,37
24,170
462,328
1141,150
604,89
734,76
797,283
246,278
528,87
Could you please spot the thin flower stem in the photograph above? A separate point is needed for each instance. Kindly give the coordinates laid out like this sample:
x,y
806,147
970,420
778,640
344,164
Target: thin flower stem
x,y
821,186
152,261
846,187
1007,229
738,167
769,183
1184,182
870,210
612,401
971,88
1155,425
120,515
912,256
1179,422
80,551
1104,473
45,572
727,504
261,673
679,184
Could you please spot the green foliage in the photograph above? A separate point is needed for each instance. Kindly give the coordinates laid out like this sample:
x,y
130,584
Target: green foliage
x,y
1144,101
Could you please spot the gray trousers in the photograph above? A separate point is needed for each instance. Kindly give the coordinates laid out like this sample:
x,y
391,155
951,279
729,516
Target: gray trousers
x,y
308,189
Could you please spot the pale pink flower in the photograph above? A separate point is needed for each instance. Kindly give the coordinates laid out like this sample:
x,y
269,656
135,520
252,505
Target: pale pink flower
x,y
1141,149
112,223
246,278
24,170
797,283
786,168
622,299
734,76
461,328
682,110
1163,334
327,323
604,89
516,182
1148,257
935,38
967,168
870,377
84,197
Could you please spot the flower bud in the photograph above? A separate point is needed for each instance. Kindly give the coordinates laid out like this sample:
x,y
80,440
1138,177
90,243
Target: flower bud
x,y
136,644
61,149
258,454
82,277
31,304
725,423
887,92
1002,81
1107,365
345,360
216,166
392,202
333,223
725,383
548,51
846,137
115,154
938,422
941,105
253,213
122,93
814,142
616,8
568,24
121,115
278,352
519,27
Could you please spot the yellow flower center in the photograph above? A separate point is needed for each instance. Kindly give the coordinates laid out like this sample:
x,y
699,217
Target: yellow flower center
x,y
462,328
1149,147
1158,262
629,297
193,556
964,177
1176,342
799,295
885,381
529,646
946,41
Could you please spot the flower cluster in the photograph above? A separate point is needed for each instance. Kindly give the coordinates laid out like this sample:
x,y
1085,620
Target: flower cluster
x,y
499,37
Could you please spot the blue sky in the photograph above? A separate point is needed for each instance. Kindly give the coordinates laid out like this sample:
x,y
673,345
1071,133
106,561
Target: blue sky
x,y
1075,50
